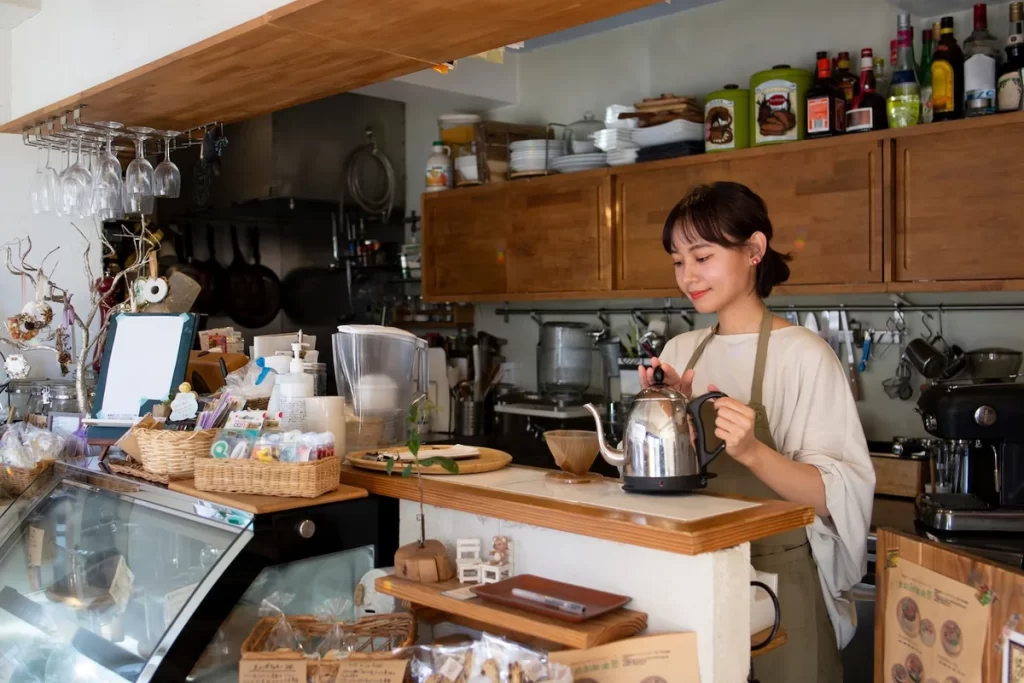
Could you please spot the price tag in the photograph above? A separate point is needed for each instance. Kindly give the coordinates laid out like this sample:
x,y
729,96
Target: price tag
x,y
371,671
451,669
121,586
250,671
35,549
175,600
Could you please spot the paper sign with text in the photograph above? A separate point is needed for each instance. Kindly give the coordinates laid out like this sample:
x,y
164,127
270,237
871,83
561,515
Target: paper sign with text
x,y
371,671
671,657
35,546
121,586
935,627
276,671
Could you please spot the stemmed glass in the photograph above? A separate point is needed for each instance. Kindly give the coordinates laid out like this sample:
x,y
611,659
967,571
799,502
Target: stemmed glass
x,y
167,177
76,186
107,201
60,206
138,179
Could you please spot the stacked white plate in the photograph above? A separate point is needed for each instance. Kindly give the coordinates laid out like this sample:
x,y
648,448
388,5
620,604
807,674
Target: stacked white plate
x,y
622,157
534,155
467,168
667,133
612,120
574,163
612,139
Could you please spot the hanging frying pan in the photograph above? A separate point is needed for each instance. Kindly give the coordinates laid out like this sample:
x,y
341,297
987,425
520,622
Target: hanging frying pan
x,y
313,295
209,301
253,292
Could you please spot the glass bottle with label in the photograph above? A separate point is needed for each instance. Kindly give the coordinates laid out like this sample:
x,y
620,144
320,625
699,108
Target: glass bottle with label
x,y
826,107
846,81
882,76
868,111
981,60
1010,87
924,75
947,75
904,101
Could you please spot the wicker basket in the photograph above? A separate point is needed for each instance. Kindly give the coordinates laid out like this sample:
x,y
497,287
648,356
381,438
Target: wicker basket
x,y
14,480
376,636
288,479
173,453
133,468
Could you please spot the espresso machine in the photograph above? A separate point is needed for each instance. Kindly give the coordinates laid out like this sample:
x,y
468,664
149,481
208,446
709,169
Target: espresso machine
x,y
985,422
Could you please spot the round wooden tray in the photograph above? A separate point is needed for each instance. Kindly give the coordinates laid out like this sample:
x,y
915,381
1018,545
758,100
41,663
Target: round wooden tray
x,y
489,460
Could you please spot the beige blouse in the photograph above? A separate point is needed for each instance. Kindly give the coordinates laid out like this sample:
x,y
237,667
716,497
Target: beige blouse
x,y
814,420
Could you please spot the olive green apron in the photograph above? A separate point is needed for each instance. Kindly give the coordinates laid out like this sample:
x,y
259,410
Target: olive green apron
x,y
810,654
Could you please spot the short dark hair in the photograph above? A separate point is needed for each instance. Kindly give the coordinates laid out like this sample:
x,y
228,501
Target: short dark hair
x,y
727,214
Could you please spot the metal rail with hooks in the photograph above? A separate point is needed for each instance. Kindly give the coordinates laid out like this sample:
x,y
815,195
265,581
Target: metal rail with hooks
x,y
686,312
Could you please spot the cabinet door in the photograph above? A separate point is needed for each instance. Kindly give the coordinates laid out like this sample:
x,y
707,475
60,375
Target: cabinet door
x,y
824,201
959,205
560,235
464,243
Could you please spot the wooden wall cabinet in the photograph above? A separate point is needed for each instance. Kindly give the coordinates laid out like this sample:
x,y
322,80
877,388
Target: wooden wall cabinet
x,y
560,235
464,244
959,206
825,203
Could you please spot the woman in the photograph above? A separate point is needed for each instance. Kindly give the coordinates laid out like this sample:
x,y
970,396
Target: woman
x,y
790,426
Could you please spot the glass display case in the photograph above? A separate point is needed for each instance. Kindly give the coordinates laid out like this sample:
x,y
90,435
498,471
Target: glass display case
x,y
103,578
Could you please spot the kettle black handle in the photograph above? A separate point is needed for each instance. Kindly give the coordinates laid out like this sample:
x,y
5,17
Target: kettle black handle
x,y
693,408
659,376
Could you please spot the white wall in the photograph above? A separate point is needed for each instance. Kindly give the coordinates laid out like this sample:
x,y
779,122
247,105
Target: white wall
x,y
72,45
695,52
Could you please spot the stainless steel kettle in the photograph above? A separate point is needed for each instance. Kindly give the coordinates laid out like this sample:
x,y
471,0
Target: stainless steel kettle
x,y
659,455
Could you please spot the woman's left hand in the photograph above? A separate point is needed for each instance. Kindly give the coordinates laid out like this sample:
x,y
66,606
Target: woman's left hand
x,y
734,424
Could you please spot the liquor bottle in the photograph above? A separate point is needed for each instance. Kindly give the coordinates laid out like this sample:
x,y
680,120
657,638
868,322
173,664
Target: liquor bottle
x,y
981,59
845,80
868,111
947,75
1010,86
924,75
904,100
826,106
882,76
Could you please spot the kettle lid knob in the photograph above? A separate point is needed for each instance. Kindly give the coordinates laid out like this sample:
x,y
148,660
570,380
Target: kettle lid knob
x,y
659,376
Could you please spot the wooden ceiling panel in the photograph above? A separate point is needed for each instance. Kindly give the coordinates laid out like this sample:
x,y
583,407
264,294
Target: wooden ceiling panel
x,y
312,49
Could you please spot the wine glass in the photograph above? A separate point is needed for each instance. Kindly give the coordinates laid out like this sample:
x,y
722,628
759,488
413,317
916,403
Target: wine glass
x,y
107,202
138,179
60,206
167,177
48,184
76,186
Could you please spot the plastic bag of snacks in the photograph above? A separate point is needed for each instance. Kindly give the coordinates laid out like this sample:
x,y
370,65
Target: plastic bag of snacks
x,y
488,660
24,445
282,636
336,643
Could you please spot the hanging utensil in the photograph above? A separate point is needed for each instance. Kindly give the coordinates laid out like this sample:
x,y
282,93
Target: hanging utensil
x,y
253,296
213,285
312,295
851,367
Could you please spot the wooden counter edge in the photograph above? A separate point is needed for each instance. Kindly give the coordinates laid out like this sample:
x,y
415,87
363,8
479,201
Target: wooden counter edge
x,y
650,531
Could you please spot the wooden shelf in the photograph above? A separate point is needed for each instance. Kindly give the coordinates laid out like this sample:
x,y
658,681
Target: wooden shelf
x,y
623,623
778,641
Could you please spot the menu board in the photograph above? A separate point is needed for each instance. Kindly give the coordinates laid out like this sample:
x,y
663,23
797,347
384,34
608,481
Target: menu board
x,y
935,627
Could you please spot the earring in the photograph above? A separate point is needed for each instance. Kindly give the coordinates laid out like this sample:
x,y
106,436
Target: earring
x,y
755,260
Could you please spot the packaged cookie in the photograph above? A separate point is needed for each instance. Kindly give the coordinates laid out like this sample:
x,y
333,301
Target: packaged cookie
x,y
445,664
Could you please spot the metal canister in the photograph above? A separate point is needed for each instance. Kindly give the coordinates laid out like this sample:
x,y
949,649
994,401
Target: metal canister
x,y
727,119
778,105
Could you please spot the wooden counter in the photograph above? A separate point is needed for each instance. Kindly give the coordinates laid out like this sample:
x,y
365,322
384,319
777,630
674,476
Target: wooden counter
x,y
689,524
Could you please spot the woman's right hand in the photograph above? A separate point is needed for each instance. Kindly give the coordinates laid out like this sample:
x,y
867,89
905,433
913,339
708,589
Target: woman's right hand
x,y
683,384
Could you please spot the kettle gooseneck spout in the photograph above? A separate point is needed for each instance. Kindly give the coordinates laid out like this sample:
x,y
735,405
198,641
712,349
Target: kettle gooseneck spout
x,y
613,456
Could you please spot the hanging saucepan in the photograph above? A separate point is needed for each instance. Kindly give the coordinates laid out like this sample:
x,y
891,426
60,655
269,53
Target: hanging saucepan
x,y
213,273
253,291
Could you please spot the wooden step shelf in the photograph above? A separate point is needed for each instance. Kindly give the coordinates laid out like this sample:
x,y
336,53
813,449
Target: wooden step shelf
x,y
476,613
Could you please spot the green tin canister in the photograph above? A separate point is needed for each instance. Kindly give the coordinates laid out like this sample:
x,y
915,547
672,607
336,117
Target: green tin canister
x,y
778,105
727,119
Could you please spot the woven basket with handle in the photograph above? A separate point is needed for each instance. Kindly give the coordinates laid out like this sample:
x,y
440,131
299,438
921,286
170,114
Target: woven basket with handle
x,y
374,638
173,453
288,479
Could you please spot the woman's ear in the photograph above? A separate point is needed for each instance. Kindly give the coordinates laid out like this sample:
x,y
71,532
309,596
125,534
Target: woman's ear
x,y
758,245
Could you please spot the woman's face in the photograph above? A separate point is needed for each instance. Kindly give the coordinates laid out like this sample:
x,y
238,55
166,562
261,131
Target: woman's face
x,y
710,275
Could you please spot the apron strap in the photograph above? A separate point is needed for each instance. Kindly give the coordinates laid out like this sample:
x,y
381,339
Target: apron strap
x,y
757,384
700,349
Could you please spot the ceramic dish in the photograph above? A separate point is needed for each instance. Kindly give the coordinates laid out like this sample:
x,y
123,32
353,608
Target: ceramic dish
x,y
622,157
667,133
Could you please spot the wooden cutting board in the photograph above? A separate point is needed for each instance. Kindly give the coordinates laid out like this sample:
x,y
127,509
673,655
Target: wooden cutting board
x,y
489,460
260,505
